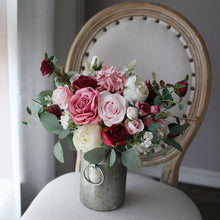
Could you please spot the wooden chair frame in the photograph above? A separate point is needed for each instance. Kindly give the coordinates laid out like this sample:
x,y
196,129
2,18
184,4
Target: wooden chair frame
x,y
200,59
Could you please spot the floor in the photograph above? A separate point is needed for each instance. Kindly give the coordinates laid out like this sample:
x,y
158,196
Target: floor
x,y
207,200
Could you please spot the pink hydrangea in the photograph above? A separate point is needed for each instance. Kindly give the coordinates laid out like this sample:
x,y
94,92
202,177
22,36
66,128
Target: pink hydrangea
x,y
110,79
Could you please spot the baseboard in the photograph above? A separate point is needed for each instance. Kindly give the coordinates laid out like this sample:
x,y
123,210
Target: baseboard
x,y
186,175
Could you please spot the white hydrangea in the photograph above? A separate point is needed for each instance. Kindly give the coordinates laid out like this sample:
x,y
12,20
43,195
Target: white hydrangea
x,y
65,119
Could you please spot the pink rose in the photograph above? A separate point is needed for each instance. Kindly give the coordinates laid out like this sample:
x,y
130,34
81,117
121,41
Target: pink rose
x,y
110,79
135,126
147,120
143,108
112,108
61,96
154,109
83,106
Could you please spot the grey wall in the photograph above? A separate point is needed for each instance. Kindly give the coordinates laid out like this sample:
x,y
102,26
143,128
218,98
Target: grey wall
x,y
205,149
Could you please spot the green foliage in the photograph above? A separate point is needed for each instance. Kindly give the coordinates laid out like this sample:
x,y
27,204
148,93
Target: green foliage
x,y
131,160
58,152
28,111
70,142
177,129
50,123
95,156
173,143
112,160
153,126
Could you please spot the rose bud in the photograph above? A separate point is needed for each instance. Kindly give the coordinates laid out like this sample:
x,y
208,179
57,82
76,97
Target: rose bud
x,y
154,109
84,81
132,112
181,92
47,67
135,126
143,108
55,110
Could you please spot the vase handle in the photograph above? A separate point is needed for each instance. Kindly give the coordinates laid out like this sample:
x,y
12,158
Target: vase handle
x,y
100,170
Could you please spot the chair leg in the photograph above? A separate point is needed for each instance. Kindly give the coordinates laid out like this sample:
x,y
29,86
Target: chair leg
x,y
170,171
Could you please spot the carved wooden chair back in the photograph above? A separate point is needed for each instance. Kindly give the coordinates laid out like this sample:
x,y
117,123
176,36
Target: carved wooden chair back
x,y
162,41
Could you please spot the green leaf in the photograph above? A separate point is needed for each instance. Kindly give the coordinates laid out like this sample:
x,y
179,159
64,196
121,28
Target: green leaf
x,y
173,143
58,152
43,94
155,137
70,142
28,111
50,123
71,73
186,78
157,101
154,77
153,126
63,133
46,55
181,106
112,157
179,86
95,155
166,94
178,129
36,107
131,160
115,164
25,122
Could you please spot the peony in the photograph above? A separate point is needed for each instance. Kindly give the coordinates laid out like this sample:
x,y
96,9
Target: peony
x,y
132,112
87,137
84,81
136,89
112,108
110,79
135,126
61,96
47,67
83,106
143,108
114,135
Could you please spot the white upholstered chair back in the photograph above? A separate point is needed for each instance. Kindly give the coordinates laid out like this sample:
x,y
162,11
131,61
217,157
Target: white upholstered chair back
x,y
162,41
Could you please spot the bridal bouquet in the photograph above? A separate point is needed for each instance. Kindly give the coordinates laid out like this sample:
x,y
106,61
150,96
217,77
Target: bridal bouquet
x,y
108,112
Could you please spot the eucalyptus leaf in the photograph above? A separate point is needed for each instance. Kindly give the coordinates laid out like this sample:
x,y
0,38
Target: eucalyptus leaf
x,y
43,94
50,123
112,157
157,101
115,164
178,129
28,110
70,142
63,133
181,106
36,107
131,160
153,126
58,152
166,94
173,143
95,155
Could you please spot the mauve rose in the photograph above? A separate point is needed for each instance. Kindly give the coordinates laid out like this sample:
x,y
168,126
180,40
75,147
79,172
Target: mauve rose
x,y
47,67
154,109
147,120
84,81
61,96
55,110
135,126
112,108
181,92
114,135
143,108
83,106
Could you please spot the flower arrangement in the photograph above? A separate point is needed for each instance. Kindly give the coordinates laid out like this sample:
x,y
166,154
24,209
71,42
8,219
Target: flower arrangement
x,y
109,112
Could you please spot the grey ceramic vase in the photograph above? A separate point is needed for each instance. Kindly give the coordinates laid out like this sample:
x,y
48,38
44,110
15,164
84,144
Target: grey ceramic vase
x,y
99,189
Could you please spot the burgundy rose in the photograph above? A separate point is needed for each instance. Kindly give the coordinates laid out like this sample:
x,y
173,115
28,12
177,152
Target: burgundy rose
x,y
55,110
47,67
181,91
114,135
152,93
84,81
147,82
143,108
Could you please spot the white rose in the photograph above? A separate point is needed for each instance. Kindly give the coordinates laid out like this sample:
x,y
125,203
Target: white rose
x,y
136,89
132,112
87,137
